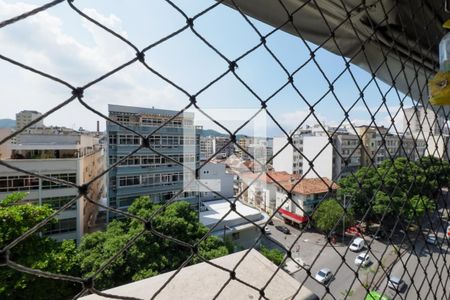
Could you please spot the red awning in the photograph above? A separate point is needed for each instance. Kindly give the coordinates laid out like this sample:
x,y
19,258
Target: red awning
x,y
293,217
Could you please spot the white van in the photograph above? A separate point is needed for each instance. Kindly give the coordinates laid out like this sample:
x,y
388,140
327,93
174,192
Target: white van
x,y
357,244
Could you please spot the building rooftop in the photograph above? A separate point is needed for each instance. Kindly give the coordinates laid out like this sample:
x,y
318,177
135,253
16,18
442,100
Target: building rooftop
x,y
146,110
203,281
279,176
308,186
217,209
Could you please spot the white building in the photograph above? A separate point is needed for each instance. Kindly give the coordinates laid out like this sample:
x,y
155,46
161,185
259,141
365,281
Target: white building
x,y
240,230
306,195
24,117
215,176
72,158
260,190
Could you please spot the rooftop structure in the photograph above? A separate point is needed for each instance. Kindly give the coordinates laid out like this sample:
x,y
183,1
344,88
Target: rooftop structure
x,y
242,232
204,281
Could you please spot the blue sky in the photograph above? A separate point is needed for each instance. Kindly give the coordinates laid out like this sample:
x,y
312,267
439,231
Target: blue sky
x,y
62,43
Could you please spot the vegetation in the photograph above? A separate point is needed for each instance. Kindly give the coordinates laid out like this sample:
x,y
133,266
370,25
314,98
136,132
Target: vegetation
x,y
395,188
35,252
329,214
274,255
148,256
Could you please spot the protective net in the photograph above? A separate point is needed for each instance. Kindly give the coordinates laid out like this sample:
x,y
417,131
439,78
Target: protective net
x,y
380,169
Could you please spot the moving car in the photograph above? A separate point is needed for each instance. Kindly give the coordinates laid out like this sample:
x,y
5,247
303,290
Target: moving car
x,y
362,259
357,244
324,275
395,283
374,295
431,239
283,229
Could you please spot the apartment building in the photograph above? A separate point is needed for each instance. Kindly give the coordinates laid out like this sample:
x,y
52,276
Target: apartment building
x,y
425,126
312,145
147,172
260,146
210,145
75,158
216,180
260,191
24,117
380,145
306,195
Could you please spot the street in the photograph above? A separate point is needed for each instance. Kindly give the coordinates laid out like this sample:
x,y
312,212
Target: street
x,y
427,265
313,252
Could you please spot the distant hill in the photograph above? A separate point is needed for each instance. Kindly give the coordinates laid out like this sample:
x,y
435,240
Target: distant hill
x,y
7,123
212,132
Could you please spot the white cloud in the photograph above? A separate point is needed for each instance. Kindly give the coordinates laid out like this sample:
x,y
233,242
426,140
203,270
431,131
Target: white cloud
x,y
42,42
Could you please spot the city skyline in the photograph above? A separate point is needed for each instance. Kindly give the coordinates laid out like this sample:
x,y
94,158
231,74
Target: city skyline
x,y
79,52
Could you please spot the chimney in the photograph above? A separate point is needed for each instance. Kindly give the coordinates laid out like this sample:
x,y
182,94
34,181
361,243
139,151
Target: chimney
x,y
98,126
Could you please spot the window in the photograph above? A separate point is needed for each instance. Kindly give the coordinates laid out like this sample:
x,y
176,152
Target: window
x,y
129,180
62,226
112,139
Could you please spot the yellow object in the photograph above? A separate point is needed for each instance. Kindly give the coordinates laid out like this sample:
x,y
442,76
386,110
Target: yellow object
x,y
439,88
446,24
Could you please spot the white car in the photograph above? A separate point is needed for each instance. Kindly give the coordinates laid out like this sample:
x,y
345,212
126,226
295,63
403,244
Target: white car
x,y
324,275
362,260
357,244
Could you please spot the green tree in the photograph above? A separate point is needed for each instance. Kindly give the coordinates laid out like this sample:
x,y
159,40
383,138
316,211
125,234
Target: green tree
x,y
150,254
329,213
359,189
36,252
274,255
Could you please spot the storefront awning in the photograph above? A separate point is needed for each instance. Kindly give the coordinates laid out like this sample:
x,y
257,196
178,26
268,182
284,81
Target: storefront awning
x,y
293,217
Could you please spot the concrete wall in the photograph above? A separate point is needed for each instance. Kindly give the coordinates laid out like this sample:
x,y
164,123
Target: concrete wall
x,y
323,164
284,160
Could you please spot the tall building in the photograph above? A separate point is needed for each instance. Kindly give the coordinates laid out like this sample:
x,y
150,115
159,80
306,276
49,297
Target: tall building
x,y
423,122
429,129
147,173
24,117
75,158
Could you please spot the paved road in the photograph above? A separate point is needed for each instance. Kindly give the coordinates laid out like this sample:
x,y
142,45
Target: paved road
x,y
339,259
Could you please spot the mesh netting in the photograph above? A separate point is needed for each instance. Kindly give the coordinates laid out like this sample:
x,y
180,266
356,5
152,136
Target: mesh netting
x,y
386,173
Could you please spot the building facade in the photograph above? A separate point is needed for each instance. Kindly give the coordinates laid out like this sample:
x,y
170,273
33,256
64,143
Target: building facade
x,y
306,195
260,191
74,158
24,117
149,172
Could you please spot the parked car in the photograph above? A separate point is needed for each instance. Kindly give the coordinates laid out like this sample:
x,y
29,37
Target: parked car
x,y
396,283
283,229
324,275
379,234
431,239
357,244
363,260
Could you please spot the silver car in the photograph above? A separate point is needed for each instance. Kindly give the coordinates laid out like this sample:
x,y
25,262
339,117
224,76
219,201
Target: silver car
x,y
395,283
324,275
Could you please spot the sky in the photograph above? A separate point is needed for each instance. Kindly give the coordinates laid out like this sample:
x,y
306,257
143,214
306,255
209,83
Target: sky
x,y
65,45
